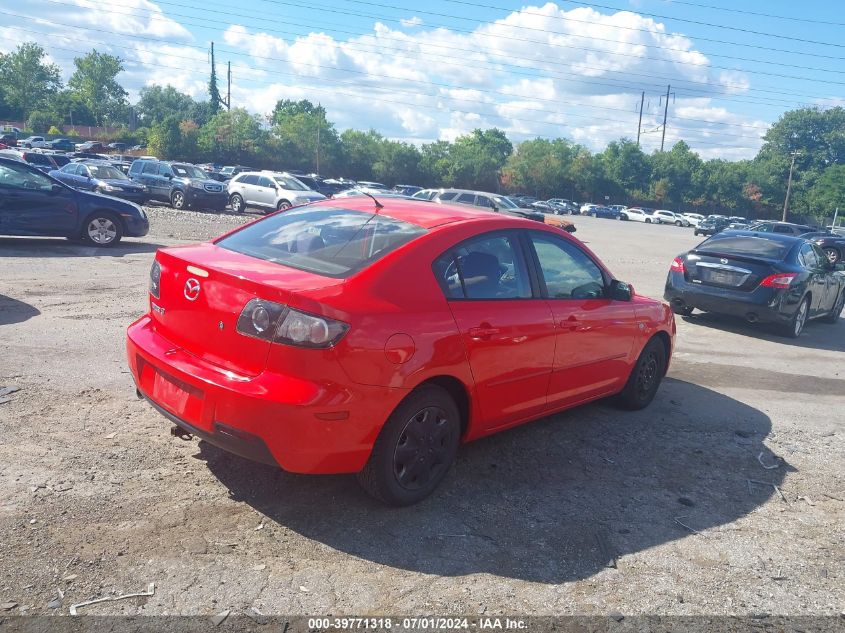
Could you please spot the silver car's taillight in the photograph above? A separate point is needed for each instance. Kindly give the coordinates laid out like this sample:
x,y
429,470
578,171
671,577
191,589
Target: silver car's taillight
x,y
275,322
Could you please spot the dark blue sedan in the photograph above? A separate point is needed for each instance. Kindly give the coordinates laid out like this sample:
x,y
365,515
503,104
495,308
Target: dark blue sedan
x,y
34,203
604,212
102,177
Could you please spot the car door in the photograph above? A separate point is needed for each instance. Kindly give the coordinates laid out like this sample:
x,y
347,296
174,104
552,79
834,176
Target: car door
x,y
149,177
83,178
247,186
831,282
265,192
29,204
508,333
595,334
67,174
817,284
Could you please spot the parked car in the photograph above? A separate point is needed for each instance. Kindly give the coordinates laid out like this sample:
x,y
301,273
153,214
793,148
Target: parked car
x,y
694,219
831,243
596,211
117,147
33,142
179,184
408,190
315,183
92,155
664,216
635,214
737,226
562,205
8,140
11,129
585,208
774,278
44,162
61,144
102,177
121,165
711,225
34,203
91,147
229,171
487,201
381,338
267,190
785,228
542,206
60,159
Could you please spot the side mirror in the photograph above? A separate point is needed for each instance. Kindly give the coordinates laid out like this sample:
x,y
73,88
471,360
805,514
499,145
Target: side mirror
x,y
169,176
620,291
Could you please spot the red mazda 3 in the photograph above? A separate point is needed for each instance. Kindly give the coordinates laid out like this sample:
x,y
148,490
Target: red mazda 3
x,y
355,337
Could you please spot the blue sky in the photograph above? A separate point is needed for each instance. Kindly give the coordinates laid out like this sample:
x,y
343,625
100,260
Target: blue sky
x,y
421,71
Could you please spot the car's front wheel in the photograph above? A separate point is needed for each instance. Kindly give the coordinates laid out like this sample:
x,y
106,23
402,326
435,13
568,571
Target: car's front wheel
x,y
177,200
102,229
645,378
415,448
677,223
237,203
282,205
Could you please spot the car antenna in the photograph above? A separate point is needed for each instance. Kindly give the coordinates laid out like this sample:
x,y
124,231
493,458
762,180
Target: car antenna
x,y
379,205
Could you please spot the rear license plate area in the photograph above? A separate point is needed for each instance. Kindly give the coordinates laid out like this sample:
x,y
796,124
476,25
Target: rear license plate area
x,y
720,277
176,396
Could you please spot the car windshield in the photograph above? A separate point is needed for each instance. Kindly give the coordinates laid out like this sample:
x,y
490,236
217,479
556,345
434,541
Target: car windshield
x,y
505,203
335,242
746,246
290,183
106,172
189,171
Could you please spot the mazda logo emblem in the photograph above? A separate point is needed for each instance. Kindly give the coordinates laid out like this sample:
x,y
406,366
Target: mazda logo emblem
x,y
192,289
724,261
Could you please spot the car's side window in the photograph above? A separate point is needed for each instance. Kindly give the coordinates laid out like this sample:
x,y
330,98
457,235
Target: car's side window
x,y
484,268
71,168
263,181
484,201
249,180
82,170
150,168
466,198
164,170
807,256
448,195
568,272
783,229
19,177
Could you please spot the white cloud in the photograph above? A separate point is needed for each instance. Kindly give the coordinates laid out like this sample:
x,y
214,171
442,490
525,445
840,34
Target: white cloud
x,y
542,71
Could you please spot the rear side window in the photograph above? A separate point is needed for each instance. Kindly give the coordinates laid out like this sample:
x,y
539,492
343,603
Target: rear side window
x,y
747,246
249,180
330,241
38,159
448,195
466,198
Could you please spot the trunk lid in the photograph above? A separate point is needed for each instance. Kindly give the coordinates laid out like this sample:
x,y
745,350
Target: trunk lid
x,y
727,271
203,290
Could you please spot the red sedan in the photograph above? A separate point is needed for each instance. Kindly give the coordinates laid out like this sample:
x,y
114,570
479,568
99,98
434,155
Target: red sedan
x,y
351,337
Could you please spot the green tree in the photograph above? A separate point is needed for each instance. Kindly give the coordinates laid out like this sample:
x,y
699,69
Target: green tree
x,y
156,103
434,163
398,163
828,194
235,137
165,139
39,121
26,81
476,159
625,165
361,150
68,107
681,170
306,139
95,82
213,90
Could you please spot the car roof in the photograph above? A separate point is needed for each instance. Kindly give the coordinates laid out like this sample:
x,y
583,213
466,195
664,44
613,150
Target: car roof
x,y
415,211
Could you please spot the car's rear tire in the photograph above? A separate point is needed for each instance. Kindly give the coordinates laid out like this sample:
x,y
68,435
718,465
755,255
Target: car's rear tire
x,y
177,200
645,377
237,203
833,315
415,449
796,324
695,232
677,223
102,228
281,205
648,221
833,255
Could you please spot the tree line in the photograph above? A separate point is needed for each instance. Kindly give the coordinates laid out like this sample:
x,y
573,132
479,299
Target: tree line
x,y
298,135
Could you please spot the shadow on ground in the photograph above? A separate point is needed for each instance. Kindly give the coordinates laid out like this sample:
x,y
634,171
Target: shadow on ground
x,y
60,247
14,311
553,501
816,334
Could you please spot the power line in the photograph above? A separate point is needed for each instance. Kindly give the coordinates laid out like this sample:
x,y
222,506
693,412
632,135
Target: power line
x,y
757,13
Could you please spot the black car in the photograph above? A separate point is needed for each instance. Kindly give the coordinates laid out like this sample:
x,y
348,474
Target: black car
x,y
61,144
832,244
319,185
44,162
767,278
783,228
34,203
180,184
102,177
712,225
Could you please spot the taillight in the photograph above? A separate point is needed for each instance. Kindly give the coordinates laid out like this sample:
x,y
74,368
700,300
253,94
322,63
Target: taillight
x,y
780,280
281,324
677,265
155,279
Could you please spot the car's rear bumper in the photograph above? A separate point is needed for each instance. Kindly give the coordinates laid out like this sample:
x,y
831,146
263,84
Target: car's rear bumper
x,y
765,305
264,418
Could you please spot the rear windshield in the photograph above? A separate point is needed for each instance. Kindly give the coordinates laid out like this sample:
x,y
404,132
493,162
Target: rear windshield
x,y
329,241
746,246
38,159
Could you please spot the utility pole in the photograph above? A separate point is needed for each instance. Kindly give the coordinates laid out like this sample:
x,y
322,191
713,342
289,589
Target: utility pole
x,y
229,87
640,124
319,125
789,186
665,114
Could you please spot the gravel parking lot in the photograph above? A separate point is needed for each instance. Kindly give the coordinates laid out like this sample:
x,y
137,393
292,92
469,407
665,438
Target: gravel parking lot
x,y
590,511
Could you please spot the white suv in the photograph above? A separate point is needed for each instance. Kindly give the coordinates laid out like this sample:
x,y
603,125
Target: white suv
x,y
662,216
268,190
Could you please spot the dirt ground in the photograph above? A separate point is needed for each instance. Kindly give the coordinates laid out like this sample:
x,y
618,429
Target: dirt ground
x,y
592,511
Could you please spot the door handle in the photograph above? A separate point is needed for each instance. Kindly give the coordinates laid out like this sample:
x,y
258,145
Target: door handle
x,y
482,333
571,323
